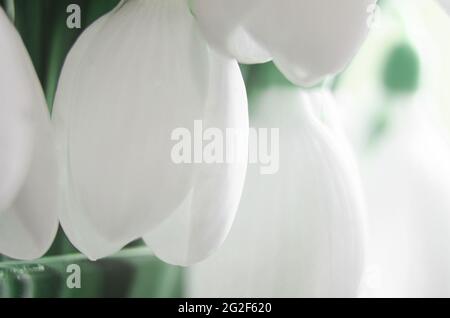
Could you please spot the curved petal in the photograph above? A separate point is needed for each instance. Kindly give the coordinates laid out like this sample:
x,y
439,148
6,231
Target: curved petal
x,y
304,46
204,219
127,84
16,95
308,39
29,224
299,232
222,24
88,240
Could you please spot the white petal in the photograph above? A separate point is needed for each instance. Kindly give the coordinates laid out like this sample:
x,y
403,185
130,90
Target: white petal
x,y
88,240
16,96
129,81
204,219
222,24
29,223
304,46
299,232
308,39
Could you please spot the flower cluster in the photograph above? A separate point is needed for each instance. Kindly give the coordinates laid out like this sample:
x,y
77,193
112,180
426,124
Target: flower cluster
x,y
149,67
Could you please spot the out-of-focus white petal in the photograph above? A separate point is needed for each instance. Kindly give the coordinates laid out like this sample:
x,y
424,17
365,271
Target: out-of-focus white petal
x,y
129,82
403,153
299,232
307,39
29,221
445,4
203,220
407,178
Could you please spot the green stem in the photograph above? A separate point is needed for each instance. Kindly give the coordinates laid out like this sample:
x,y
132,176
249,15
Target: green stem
x,y
10,9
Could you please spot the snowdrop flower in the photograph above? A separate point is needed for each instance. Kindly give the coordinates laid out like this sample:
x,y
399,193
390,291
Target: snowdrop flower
x,y
131,79
307,39
28,173
300,232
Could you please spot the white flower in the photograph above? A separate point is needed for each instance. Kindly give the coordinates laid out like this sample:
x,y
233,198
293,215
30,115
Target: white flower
x,y
307,39
133,77
28,172
300,232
